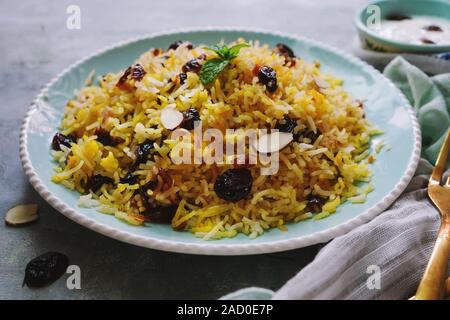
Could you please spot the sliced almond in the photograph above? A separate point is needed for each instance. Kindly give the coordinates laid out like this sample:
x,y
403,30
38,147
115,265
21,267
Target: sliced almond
x,y
321,83
21,215
273,142
171,118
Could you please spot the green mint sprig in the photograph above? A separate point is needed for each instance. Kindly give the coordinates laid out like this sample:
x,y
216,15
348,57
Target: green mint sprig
x,y
213,67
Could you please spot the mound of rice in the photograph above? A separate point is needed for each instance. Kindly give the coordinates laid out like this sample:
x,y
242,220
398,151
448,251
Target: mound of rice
x,y
324,165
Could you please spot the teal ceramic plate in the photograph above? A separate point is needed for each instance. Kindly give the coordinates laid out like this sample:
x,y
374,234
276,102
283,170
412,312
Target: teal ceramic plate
x,y
386,107
434,8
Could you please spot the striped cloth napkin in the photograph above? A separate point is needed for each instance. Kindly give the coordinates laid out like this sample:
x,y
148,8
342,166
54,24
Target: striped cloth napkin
x,y
385,258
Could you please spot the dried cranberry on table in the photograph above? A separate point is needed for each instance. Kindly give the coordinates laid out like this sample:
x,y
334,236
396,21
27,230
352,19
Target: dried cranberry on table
x,y
286,125
60,139
234,184
190,116
97,181
268,77
45,269
192,65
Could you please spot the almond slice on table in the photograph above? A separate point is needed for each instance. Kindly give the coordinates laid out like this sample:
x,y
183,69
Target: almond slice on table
x,y
171,118
21,215
273,142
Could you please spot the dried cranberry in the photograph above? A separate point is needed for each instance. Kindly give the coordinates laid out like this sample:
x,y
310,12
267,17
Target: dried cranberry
x,y
286,125
156,51
315,203
178,43
129,178
192,65
234,184
190,116
105,138
284,50
60,139
255,69
433,28
143,150
97,181
183,77
268,77
160,214
45,269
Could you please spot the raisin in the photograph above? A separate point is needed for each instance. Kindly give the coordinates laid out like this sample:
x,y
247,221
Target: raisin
x,y
160,214
234,184
315,203
143,192
427,41
129,178
268,77
397,17
286,125
190,116
45,269
60,139
183,77
313,136
143,150
192,65
105,138
284,50
135,72
178,43
433,28
96,182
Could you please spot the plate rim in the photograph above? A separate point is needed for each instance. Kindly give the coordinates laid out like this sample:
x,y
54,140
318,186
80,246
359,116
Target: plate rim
x,y
207,248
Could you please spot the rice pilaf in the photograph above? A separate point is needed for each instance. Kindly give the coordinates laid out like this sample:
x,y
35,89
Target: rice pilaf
x,y
114,149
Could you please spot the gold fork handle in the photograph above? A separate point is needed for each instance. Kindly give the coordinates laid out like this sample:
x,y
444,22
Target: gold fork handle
x,y
433,284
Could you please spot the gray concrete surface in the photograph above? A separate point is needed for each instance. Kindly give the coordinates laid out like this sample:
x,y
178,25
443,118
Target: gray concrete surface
x,y
34,46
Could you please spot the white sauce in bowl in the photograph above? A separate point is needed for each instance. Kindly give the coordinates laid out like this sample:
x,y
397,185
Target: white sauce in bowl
x,y
426,30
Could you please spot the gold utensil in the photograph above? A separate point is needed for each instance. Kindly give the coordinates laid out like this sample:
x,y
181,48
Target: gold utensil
x,y
433,284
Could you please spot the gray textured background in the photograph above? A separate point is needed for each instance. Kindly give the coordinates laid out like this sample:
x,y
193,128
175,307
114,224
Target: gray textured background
x,y
35,45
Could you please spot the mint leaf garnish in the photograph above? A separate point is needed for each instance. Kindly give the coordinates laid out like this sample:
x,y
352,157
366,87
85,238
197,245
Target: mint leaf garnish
x,y
212,68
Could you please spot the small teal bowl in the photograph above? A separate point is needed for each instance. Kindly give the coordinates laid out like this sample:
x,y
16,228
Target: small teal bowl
x,y
435,8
